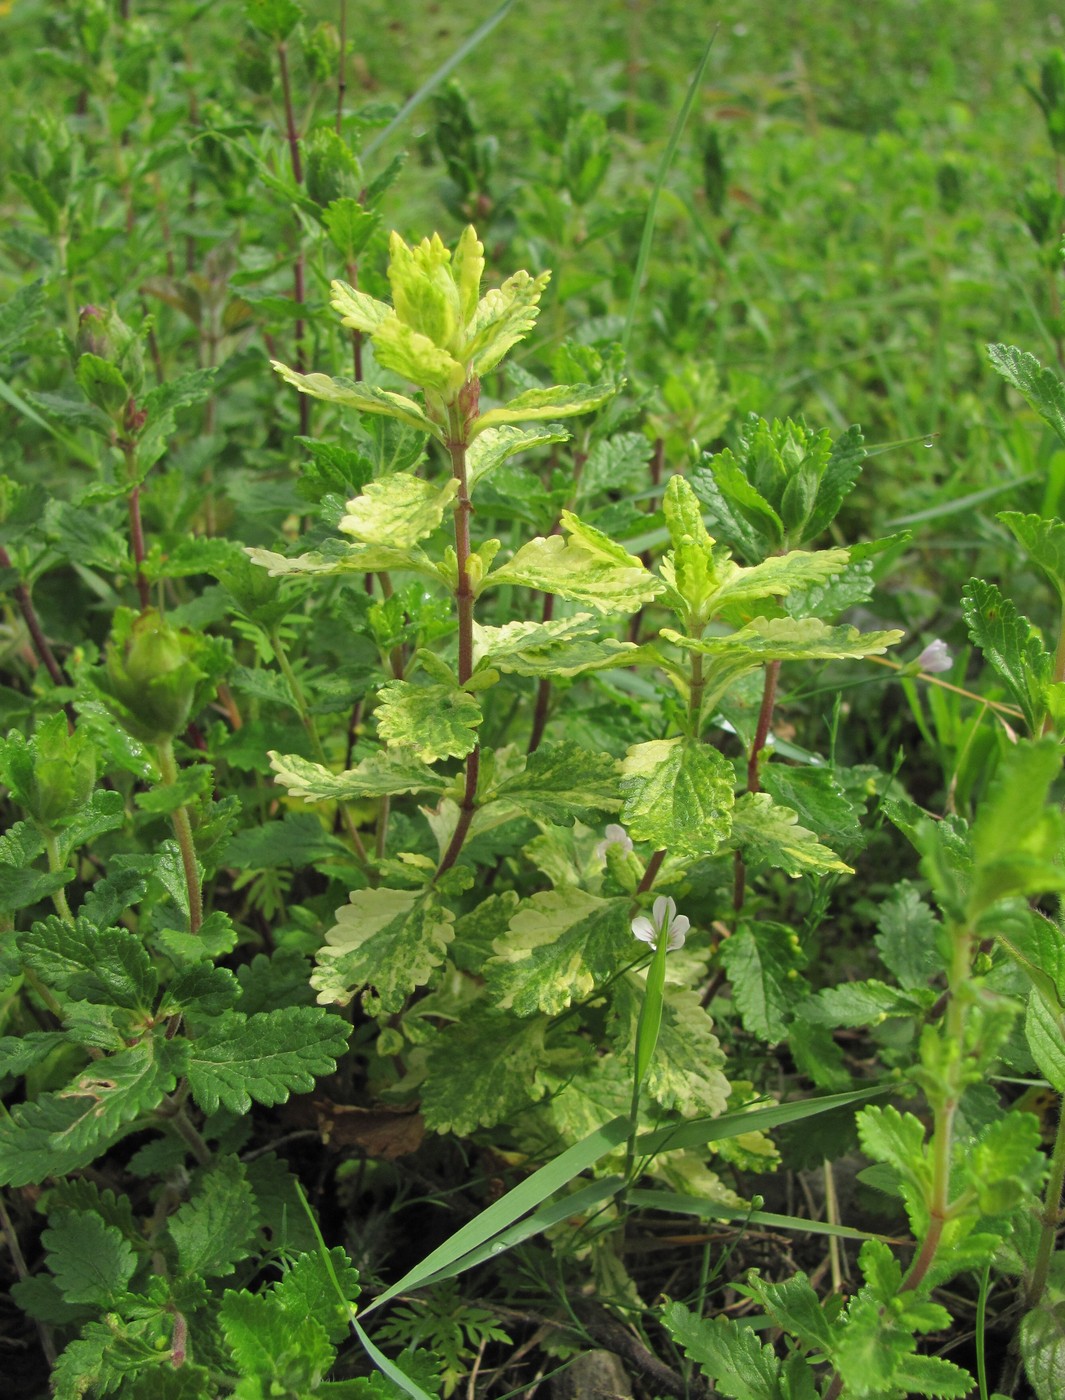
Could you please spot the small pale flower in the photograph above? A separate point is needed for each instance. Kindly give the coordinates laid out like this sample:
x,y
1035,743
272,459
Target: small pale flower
x,y
615,836
935,658
664,917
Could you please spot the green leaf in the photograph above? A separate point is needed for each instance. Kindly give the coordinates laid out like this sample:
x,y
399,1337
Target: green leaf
x,y
1041,387
1016,839
763,962
297,840
560,401
561,781
389,939
907,937
92,1261
816,795
495,445
1044,1029
401,509
764,831
61,1132
467,1089
308,1288
357,311
391,770
1044,541
586,566
561,647
774,577
932,1375
435,721
794,1306
728,1354
897,1139
274,18
618,463
364,398
678,796
109,966
214,1230
284,1353
1042,1338
265,1057
560,946
866,1003
102,384
18,315
1012,646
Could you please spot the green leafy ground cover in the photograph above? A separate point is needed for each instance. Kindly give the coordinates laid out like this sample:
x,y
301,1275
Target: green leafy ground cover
x,y
532,698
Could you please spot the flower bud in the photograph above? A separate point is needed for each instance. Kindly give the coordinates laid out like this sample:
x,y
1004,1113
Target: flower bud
x,y
156,675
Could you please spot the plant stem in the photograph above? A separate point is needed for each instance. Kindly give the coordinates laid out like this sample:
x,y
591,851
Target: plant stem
x,y
183,831
187,1131
297,268
342,76
311,730
33,625
18,1259
761,734
654,865
464,603
55,864
1050,1220
136,538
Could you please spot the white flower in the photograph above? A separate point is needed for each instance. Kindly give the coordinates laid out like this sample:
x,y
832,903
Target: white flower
x,y
664,918
936,657
615,836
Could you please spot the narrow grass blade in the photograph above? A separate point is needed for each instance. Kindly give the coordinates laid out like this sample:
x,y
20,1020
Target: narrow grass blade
x,y
673,1204
703,1130
511,1207
647,237
437,78
390,1369
963,503
577,1204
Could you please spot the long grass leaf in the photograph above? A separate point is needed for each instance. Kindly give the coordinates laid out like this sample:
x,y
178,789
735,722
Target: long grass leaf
x,y
434,81
511,1207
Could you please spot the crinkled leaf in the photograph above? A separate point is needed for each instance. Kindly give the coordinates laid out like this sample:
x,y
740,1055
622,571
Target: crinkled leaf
x,y
339,557
1042,1338
1040,386
417,358
560,946
1044,541
1044,1028
503,316
766,832
492,447
400,509
391,770
561,781
816,795
728,1354
110,966
287,1354
357,311
559,401
586,566
308,1288
895,1138
435,721
763,962
691,561
866,1003
364,398
907,937
391,940
617,463
92,1261
63,1131
265,1057
1012,646
467,1089
678,795
213,1230
562,647
794,1306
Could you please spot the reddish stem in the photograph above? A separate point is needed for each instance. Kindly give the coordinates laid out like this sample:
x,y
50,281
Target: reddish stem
x,y
654,865
33,625
136,536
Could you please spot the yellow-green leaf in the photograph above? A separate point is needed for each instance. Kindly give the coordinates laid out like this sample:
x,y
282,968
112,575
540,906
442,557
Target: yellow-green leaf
x,y
678,796
390,940
435,721
364,398
400,508
358,311
587,566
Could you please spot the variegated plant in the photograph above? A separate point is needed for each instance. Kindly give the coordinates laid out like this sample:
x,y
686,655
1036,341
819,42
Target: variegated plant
x,y
503,970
